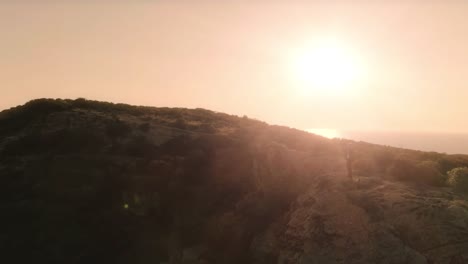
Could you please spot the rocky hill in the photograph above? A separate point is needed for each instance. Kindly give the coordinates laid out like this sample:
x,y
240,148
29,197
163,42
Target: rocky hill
x,y
93,182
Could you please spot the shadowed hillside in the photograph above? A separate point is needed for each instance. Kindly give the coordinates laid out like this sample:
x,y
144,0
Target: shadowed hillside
x,y
94,182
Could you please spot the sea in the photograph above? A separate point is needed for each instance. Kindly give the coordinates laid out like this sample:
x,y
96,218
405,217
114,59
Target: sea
x,y
450,143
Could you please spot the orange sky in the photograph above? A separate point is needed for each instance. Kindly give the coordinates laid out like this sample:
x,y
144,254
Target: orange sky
x,y
232,56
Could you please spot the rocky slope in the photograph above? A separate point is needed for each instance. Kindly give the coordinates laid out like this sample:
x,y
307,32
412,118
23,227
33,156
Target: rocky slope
x,y
93,182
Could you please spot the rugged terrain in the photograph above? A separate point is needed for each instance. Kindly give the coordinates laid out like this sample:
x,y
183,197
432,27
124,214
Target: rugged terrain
x,y
93,182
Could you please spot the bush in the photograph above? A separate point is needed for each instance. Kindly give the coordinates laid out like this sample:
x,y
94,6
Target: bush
x,y
140,147
424,172
401,169
44,106
428,172
19,117
117,130
179,123
62,141
383,158
145,127
458,179
365,166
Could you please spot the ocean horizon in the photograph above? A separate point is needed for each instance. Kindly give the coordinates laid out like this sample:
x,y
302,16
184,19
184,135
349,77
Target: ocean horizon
x,y
450,143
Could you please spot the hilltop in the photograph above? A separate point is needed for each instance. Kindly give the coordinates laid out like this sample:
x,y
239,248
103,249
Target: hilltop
x,y
94,182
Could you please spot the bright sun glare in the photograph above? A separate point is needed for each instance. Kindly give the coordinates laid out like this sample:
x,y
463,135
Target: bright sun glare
x,y
326,67
325,132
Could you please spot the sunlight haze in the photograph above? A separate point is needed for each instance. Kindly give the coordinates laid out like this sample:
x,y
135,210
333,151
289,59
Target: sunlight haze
x,y
392,65
234,131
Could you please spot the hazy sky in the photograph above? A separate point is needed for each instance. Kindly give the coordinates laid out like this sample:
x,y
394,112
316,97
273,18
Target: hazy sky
x,y
235,56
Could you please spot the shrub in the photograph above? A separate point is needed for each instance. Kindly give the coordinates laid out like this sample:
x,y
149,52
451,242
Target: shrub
x,y
365,166
401,169
179,123
44,106
383,158
117,129
428,172
458,179
19,117
449,162
62,141
424,172
207,128
140,146
144,127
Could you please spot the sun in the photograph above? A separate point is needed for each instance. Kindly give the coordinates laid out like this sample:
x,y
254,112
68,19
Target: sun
x,y
326,67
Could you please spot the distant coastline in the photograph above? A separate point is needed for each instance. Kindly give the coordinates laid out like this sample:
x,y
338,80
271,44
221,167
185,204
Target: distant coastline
x,y
450,143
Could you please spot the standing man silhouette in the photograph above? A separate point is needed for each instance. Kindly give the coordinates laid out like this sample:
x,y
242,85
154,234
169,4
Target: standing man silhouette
x,y
349,159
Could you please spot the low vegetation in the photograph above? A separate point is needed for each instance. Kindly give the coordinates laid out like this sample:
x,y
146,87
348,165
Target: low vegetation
x,y
458,179
86,181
